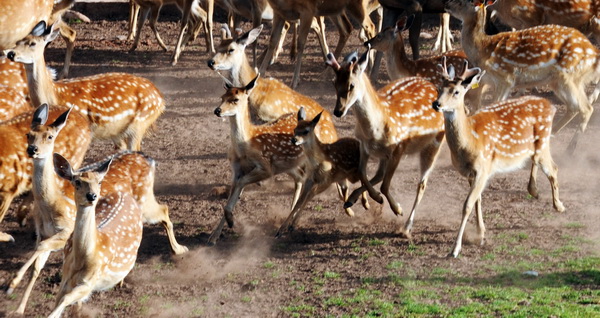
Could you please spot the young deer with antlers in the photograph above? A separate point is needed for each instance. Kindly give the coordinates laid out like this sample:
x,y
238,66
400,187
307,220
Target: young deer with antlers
x,y
395,121
257,152
55,209
559,56
270,98
498,138
325,164
120,107
15,165
103,247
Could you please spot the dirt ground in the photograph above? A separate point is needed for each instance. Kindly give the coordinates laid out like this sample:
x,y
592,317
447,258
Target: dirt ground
x,y
249,273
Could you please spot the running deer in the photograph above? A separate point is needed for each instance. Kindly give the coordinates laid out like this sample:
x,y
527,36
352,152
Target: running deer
x,y
120,107
306,11
559,56
16,167
393,122
583,15
499,138
325,164
103,247
257,152
194,17
55,209
270,98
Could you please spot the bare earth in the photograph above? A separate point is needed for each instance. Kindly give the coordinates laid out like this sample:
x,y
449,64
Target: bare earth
x,y
249,272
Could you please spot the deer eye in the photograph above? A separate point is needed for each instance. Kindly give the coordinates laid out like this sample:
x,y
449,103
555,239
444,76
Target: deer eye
x,y
230,51
455,93
351,87
50,137
235,101
77,183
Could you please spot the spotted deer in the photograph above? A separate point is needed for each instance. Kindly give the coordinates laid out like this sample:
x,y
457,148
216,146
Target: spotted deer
x,y
558,56
393,122
103,247
583,15
257,152
325,165
54,207
270,98
119,107
306,11
12,103
13,75
498,138
17,17
16,167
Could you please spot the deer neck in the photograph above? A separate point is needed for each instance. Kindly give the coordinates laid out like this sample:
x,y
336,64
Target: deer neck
x,y
241,127
369,112
314,150
400,64
40,82
243,74
474,38
45,187
459,132
85,235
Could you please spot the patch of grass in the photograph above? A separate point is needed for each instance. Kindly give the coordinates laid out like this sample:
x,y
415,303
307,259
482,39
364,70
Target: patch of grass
x,y
144,299
395,265
300,310
318,208
574,225
377,242
268,265
246,299
331,275
120,304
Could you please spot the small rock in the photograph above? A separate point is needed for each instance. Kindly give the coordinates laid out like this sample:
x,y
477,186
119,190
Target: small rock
x,y
531,273
121,37
219,192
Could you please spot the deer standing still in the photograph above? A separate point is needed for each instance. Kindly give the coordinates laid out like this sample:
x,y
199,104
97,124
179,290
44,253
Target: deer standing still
x,y
325,164
393,122
18,17
306,11
498,138
558,56
53,201
120,107
257,152
103,247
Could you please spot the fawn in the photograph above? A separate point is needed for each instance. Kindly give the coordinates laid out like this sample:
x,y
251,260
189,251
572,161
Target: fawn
x,y
103,247
55,209
257,152
559,56
325,164
120,107
395,121
497,138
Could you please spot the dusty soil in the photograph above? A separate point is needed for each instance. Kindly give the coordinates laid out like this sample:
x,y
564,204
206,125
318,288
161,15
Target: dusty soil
x,y
249,273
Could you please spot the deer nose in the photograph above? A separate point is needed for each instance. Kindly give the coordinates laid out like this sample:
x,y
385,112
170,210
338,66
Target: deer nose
x,y
31,150
11,55
90,196
211,63
294,141
218,111
436,105
337,112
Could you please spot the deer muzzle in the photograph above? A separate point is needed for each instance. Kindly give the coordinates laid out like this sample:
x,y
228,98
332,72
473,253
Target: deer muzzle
x,y
32,150
11,55
211,64
436,105
91,196
218,111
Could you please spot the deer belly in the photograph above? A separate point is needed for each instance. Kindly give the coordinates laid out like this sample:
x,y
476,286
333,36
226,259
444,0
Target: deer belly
x,y
111,277
103,129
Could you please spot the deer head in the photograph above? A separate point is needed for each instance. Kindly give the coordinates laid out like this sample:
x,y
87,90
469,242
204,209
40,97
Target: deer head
x,y
86,184
452,92
41,138
384,40
304,127
33,45
231,51
349,81
234,99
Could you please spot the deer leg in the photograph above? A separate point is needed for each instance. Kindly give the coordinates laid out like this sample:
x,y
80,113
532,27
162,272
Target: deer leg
x,y
155,11
23,210
75,295
305,22
153,212
142,19
40,262
278,23
256,22
182,33
210,9
68,35
389,19
259,173
414,33
279,49
5,201
532,186
305,195
480,224
390,168
364,199
428,156
551,171
478,184
298,180
134,10
366,184
343,192
443,41
344,27
318,25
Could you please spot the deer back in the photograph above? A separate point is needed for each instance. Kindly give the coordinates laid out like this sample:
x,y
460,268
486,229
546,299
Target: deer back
x,y
12,103
12,74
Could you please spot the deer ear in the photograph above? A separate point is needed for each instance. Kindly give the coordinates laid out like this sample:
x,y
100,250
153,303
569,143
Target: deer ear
x,y
51,33
489,2
103,169
250,36
331,61
40,116
61,121
363,62
473,77
451,71
252,84
401,24
62,167
301,114
315,120
39,29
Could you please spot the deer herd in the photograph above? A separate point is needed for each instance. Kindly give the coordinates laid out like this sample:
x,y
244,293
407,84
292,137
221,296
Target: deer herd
x,y
95,213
